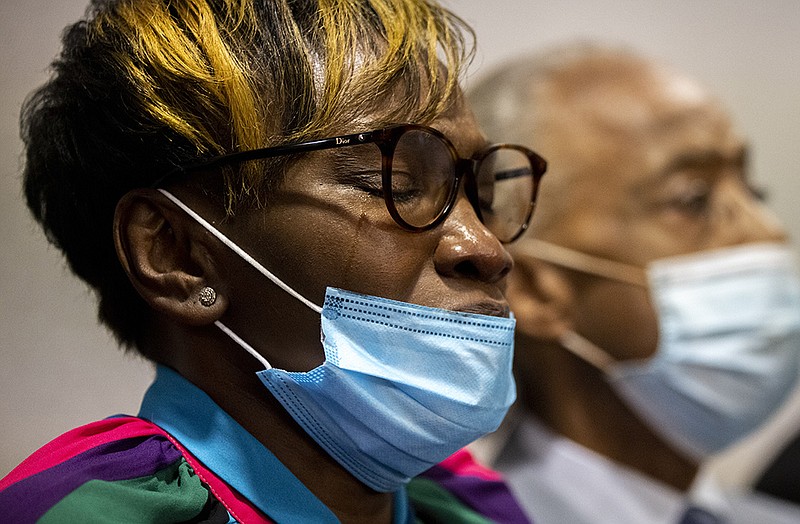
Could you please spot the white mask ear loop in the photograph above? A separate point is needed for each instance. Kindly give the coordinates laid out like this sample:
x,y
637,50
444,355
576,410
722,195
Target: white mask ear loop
x,y
247,347
585,263
570,258
586,350
250,260
239,251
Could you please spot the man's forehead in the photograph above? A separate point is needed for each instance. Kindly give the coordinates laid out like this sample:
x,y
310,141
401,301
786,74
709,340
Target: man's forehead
x,y
625,92
674,118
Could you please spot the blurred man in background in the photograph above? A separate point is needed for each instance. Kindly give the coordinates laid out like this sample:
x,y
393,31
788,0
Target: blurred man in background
x,y
657,300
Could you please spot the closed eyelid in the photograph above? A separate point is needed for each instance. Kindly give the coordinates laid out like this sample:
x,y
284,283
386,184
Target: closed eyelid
x,y
369,181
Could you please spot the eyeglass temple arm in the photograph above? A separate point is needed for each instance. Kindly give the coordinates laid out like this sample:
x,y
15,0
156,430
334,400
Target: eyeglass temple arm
x,y
512,173
270,152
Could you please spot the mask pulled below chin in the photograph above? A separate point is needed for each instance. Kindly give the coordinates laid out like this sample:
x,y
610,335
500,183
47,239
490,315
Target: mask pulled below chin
x,y
402,387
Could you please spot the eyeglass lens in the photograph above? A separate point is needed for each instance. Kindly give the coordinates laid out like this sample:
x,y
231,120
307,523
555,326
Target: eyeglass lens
x,y
506,203
423,174
423,181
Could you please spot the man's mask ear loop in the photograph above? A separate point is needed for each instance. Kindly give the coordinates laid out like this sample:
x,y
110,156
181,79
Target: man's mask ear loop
x,y
586,351
584,263
250,260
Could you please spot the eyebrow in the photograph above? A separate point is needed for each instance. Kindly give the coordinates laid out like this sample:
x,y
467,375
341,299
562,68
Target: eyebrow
x,y
356,156
703,159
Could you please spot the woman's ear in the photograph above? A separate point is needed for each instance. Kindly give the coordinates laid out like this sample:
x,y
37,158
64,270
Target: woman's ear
x,y
167,257
541,297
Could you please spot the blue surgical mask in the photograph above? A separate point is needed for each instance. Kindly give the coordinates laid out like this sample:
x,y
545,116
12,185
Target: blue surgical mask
x,y
402,387
729,341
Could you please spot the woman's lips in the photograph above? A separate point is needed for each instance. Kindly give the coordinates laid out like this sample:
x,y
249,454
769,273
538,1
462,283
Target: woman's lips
x,y
494,309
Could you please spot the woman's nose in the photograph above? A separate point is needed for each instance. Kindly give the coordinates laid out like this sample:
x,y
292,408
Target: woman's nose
x,y
467,249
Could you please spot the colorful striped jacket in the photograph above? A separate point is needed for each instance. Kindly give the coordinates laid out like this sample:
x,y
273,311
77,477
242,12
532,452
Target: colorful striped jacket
x,y
185,460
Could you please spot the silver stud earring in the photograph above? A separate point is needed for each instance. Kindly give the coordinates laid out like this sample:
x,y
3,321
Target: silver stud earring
x,y
208,296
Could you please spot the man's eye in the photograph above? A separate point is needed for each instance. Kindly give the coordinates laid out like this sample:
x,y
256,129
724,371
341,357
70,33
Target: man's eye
x,y
694,199
695,204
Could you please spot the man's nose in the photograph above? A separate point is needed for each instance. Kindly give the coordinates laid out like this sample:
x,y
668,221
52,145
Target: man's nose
x,y
747,219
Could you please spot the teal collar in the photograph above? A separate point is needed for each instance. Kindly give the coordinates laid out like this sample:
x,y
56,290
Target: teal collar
x,y
227,449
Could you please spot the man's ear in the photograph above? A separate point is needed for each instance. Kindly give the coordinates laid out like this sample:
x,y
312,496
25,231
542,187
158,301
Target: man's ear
x,y
167,257
541,297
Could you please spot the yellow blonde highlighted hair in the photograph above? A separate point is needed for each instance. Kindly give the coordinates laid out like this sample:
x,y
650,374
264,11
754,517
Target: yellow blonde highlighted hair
x,y
142,86
218,76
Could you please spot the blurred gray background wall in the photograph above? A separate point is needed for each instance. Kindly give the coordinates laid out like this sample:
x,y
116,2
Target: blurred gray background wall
x,y
59,369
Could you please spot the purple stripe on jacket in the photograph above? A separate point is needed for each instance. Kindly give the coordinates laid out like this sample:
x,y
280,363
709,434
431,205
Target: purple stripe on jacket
x,y
118,460
493,499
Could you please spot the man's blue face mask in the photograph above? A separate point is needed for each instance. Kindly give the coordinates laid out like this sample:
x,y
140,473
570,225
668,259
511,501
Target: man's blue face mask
x,y
729,340
403,386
